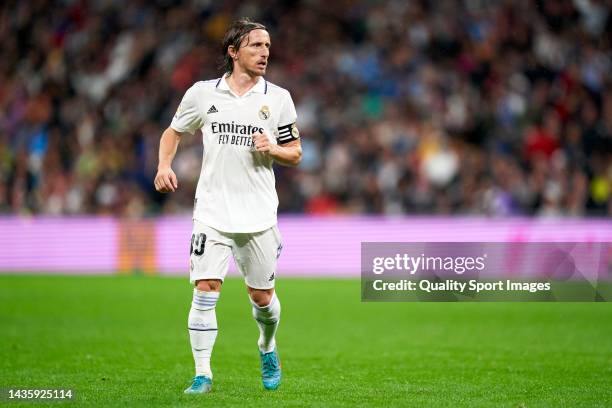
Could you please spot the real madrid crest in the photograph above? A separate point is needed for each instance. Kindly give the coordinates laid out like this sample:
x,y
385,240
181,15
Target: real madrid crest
x,y
264,112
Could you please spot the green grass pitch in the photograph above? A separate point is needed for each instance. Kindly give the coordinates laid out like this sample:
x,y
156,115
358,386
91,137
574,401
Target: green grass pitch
x,y
122,341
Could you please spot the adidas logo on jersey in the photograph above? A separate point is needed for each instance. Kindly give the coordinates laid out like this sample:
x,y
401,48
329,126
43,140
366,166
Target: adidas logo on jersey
x,y
212,110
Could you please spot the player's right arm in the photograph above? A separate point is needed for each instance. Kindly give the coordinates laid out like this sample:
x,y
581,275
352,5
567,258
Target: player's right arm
x,y
186,120
165,180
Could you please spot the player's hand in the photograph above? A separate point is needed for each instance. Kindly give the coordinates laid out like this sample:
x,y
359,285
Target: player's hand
x,y
165,180
262,143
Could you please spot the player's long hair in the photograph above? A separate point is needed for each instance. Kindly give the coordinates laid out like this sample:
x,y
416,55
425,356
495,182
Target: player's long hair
x,y
234,36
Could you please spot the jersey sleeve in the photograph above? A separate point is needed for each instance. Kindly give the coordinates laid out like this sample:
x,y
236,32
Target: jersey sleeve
x,y
287,129
188,117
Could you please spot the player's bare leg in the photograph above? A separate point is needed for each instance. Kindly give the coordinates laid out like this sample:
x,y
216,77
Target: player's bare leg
x,y
266,311
202,324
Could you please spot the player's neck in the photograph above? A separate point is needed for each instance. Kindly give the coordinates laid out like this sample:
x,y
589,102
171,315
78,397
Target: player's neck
x,y
241,82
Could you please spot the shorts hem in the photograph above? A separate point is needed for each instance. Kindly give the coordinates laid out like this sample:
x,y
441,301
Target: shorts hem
x,y
265,287
193,280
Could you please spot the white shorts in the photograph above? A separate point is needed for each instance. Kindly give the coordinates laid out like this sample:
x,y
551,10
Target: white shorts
x,y
255,255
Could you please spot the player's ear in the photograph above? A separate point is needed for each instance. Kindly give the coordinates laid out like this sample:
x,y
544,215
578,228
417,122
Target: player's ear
x,y
233,53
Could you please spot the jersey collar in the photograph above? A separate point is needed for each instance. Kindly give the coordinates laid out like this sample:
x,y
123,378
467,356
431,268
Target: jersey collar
x,y
260,87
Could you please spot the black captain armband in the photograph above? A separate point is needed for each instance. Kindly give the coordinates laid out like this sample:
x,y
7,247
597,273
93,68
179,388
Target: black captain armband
x,y
287,133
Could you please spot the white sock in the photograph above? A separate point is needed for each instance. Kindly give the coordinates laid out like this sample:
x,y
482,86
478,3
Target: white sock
x,y
202,325
267,318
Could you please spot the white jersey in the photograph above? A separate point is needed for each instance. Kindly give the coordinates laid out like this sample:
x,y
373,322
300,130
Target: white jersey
x,y
236,191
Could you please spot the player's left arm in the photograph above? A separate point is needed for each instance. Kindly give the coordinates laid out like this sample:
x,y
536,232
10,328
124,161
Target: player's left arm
x,y
288,149
287,154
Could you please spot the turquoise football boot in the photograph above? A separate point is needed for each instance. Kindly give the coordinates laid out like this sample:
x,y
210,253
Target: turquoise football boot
x,y
200,385
270,370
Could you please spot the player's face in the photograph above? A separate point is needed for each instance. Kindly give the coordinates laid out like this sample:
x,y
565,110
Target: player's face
x,y
254,52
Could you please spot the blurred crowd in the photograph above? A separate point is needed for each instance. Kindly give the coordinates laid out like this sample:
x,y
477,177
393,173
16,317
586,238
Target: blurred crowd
x,y
405,107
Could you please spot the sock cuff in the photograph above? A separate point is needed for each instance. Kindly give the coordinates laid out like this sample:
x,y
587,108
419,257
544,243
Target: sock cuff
x,y
204,300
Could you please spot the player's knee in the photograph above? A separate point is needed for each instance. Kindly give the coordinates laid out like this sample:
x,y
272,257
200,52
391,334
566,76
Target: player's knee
x,y
262,301
261,297
209,285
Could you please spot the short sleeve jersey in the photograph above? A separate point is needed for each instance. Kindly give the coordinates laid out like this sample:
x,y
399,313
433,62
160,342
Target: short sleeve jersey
x,y
236,189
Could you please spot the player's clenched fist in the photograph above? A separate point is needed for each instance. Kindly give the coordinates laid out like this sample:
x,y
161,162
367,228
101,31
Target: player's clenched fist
x,y
165,180
262,143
